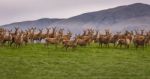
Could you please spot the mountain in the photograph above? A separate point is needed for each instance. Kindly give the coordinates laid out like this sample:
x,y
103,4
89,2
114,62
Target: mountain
x,y
40,23
119,18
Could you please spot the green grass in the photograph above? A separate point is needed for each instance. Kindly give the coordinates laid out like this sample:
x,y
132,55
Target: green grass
x,y
91,62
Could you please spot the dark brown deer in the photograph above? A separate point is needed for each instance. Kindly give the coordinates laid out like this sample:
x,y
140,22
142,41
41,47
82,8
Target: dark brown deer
x,y
139,40
105,39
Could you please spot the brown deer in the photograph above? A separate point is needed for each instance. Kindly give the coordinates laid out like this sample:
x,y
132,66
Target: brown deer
x,y
7,37
52,38
55,41
80,41
31,34
70,44
66,37
1,35
38,37
53,34
125,39
105,39
14,35
18,40
139,39
26,37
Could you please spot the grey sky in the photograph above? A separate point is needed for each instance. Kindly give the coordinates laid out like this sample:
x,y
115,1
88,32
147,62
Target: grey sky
x,y
21,10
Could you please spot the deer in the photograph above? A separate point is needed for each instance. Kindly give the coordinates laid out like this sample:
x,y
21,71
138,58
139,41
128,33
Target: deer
x,y
70,44
53,34
52,39
125,39
66,37
95,37
18,40
139,39
26,37
105,39
31,34
7,37
55,41
38,36
1,35
14,35
80,41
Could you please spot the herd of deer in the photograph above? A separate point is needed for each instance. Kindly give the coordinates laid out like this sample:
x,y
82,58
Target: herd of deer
x,y
57,37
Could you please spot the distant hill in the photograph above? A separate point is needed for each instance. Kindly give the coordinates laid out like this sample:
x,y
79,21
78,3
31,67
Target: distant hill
x,y
120,18
40,23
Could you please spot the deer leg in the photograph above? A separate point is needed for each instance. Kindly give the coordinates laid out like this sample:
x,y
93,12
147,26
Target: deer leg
x,y
114,44
46,45
117,45
107,45
143,46
66,48
11,43
101,45
136,46
128,46
3,42
120,45
56,45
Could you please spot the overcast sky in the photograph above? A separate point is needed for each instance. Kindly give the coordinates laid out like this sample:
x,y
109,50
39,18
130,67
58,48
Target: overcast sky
x,y
22,10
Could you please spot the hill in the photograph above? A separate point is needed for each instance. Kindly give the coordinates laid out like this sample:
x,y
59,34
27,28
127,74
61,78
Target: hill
x,y
119,18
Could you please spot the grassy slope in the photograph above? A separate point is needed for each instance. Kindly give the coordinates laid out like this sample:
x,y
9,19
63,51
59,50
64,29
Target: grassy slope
x,y
37,62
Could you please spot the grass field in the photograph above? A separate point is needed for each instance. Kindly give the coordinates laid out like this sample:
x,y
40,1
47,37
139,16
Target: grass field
x,y
91,62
